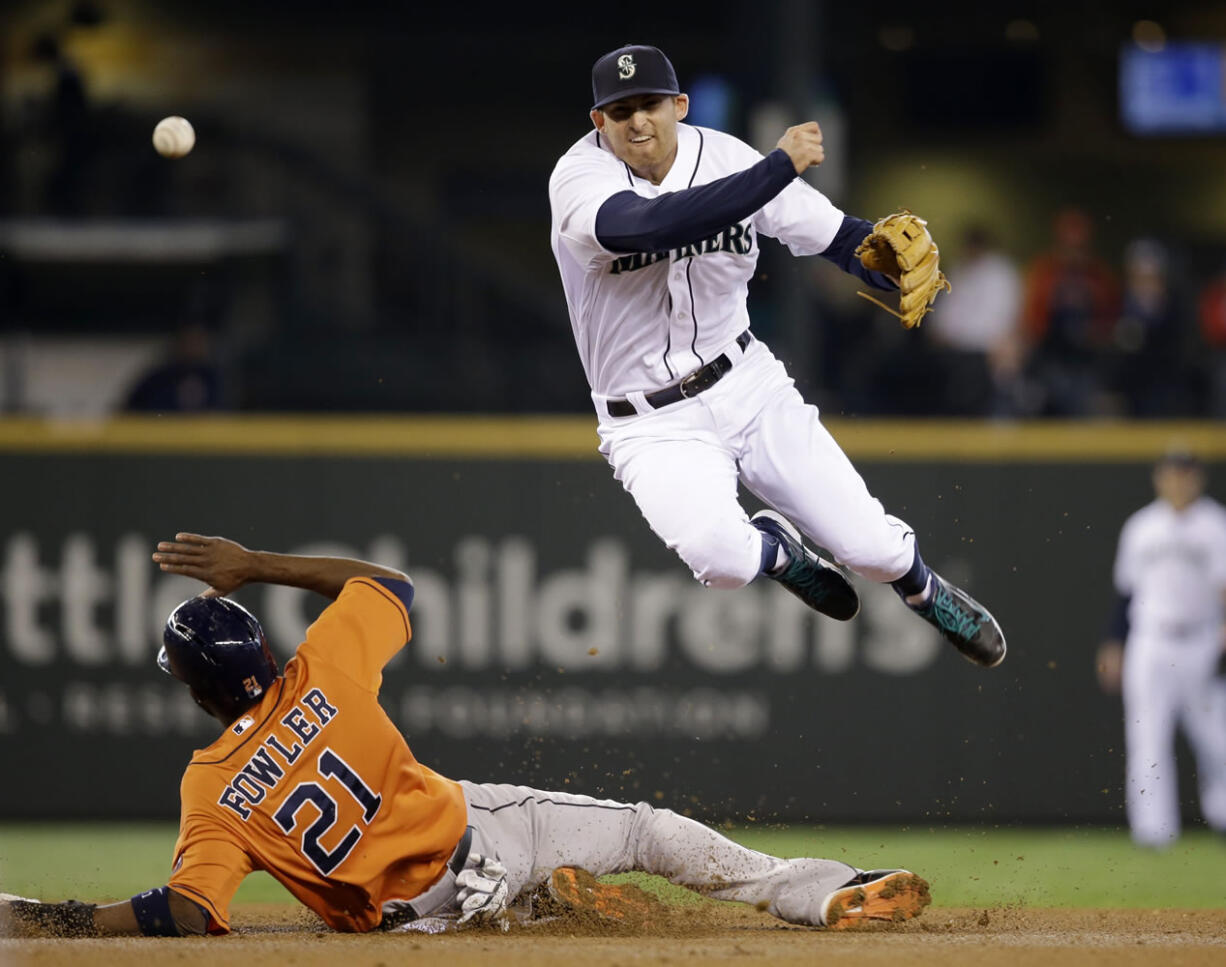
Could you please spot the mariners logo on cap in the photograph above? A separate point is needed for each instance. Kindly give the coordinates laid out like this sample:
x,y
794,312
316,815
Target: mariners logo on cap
x,y
632,70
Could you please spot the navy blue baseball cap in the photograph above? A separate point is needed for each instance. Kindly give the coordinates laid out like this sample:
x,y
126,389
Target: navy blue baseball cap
x,y
632,70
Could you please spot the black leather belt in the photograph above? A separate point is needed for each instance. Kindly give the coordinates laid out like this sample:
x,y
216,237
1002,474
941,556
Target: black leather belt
x,y
699,381
460,856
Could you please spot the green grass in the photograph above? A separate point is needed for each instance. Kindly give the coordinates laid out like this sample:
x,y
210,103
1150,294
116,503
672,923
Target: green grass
x,y
94,861
967,866
987,867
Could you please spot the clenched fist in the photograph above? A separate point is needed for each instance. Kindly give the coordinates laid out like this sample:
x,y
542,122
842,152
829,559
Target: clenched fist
x,y
803,144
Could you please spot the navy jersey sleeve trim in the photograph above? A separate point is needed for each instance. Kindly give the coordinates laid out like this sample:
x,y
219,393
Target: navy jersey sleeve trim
x,y
394,590
627,222
842,252
402,589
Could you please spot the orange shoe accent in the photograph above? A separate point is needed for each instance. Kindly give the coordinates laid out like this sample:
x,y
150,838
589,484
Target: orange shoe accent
x,y
894,896
580,894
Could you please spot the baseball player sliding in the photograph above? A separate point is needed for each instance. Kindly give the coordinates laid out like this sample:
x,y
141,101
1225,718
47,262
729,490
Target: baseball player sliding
x,y
1170,575
310,781
655,228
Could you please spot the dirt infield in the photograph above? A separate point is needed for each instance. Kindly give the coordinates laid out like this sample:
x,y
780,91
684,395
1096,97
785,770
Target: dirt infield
x,y
704,934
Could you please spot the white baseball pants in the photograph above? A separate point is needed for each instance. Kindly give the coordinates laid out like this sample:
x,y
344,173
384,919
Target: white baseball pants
x,y
532,832
682,464
1167,685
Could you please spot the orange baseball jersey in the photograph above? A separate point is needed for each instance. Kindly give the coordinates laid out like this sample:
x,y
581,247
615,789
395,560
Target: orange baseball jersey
x,y
316,785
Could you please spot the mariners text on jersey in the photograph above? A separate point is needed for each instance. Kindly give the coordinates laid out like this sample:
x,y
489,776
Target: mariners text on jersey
x,y
638,331
734,238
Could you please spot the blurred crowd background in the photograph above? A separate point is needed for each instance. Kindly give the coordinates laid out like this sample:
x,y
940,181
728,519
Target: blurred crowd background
x,y
363,225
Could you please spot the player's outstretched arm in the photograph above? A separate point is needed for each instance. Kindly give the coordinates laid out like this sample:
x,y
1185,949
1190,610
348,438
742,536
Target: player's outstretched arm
x,y
225,566
628,222
154,913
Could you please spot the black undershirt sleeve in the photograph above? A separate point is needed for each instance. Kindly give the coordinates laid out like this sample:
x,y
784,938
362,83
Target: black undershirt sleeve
x,y
627,222
842,252
1117,624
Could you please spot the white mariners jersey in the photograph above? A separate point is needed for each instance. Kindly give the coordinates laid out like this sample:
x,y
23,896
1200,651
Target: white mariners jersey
x,y
1173,564
643,321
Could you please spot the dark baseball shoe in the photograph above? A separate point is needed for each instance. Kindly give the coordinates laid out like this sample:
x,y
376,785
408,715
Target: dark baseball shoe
x,y
818,583
964,623
876,896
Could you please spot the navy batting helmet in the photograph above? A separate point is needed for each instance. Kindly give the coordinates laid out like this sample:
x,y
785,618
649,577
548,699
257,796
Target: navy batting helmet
x,y
218,648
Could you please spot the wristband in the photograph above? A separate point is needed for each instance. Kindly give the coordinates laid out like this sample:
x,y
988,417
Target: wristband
x,y
152,909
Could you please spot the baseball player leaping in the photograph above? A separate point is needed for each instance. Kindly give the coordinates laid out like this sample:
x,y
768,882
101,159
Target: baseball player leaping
x,y
655,227
311,781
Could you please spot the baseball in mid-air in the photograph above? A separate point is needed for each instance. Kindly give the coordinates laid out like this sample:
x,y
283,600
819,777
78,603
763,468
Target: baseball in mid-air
x,y
173,137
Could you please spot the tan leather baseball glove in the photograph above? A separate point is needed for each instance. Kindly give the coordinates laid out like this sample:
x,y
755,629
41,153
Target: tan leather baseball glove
x,y
901,247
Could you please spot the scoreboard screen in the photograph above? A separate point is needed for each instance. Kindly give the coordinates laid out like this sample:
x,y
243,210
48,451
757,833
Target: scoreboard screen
x,y
1179,89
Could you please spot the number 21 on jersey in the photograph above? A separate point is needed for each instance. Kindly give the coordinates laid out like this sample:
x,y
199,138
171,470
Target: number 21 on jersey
x,y
330,765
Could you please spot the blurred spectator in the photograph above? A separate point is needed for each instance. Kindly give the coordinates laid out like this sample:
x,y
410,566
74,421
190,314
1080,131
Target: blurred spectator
x,y
1153,339
977,324
868,366
1213,332
1071,305
186,382
69,130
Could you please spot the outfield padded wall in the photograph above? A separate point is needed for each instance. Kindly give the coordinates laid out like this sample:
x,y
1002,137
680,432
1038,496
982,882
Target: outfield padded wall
x,y
557,642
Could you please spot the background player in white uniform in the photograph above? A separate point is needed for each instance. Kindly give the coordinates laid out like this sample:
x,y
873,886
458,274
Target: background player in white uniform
x,y
655,231
1170,575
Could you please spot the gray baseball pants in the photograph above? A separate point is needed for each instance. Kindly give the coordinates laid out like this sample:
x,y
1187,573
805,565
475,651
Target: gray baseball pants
x,y
532,832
